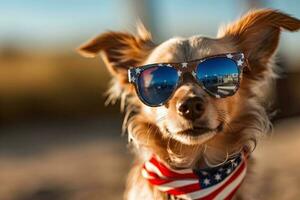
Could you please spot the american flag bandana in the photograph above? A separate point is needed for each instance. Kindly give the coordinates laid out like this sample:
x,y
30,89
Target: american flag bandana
x,y
216,183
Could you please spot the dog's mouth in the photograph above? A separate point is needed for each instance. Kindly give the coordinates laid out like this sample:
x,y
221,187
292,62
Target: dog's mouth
x,y
197,130
196,134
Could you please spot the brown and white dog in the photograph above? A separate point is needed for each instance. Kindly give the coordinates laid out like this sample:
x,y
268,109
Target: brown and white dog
x,y
163,130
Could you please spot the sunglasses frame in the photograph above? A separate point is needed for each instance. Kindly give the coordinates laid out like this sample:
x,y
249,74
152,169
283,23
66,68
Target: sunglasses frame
x,y
187,67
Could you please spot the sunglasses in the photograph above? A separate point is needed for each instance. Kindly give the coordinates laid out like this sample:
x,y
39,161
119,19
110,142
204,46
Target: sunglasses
x,y
218,75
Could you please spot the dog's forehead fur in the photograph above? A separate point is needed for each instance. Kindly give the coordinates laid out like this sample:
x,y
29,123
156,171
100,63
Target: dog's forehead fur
x,y
180,49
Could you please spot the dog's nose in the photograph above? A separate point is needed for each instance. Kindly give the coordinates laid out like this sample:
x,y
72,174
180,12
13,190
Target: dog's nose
x,y
191,108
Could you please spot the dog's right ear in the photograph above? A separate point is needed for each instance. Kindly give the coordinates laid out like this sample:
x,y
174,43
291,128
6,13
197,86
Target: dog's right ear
x,y
120,50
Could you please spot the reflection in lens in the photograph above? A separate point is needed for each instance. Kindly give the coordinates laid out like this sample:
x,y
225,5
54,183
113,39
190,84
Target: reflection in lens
x,y
157,84
219,76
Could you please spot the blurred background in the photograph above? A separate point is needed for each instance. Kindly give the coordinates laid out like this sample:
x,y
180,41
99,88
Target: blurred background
x,y
57,139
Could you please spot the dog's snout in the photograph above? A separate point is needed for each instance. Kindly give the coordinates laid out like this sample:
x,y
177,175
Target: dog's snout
x,y
191,108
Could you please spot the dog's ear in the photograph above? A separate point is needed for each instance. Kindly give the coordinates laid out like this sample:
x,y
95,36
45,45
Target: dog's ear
x,y
120,50
257,35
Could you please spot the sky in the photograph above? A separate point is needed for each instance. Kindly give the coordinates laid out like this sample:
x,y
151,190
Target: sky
x,y
52,23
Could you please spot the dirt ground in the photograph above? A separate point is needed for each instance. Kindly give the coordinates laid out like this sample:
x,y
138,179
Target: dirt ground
x,y
76,161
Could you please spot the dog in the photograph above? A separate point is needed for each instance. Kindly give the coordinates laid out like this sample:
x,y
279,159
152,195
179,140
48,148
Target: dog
x,y
183,132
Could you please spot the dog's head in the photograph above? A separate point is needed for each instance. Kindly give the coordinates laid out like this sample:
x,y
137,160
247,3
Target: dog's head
x,y
191,117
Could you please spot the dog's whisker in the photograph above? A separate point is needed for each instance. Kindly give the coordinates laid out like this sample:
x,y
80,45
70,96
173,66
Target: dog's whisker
x,y
161,118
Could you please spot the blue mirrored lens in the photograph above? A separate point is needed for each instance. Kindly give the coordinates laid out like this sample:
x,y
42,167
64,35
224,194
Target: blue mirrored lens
x,y
156,84
220,76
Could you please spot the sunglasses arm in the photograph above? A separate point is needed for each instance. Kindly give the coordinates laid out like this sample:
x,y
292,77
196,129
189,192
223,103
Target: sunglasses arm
x,y
131,75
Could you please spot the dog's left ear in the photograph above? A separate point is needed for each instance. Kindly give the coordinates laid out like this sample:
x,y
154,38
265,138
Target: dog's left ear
x,y
257,35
